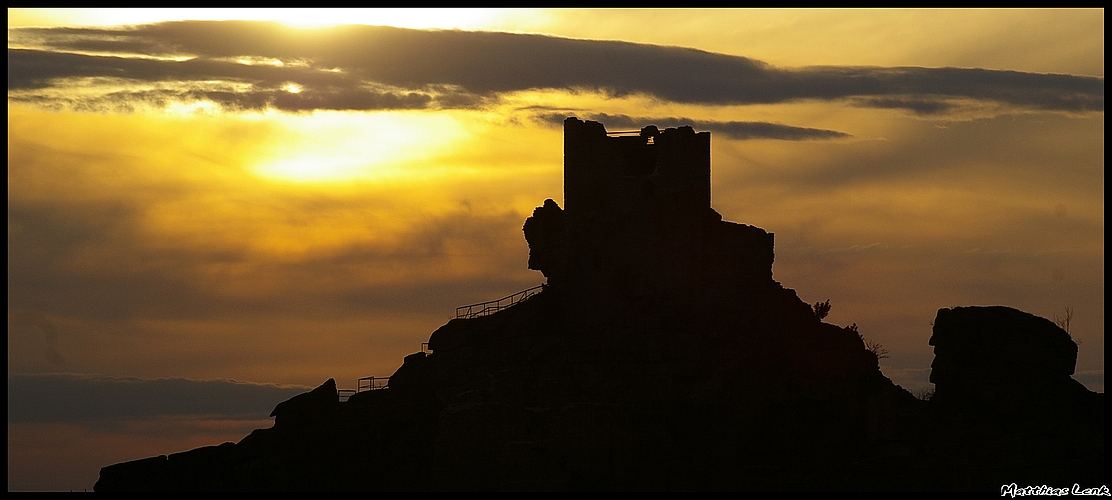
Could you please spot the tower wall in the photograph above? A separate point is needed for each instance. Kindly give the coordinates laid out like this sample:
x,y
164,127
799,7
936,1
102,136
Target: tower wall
x,y
603,174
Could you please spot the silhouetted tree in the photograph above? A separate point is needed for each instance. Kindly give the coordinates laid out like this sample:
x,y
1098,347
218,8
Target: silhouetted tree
x,y
821,309
1063,321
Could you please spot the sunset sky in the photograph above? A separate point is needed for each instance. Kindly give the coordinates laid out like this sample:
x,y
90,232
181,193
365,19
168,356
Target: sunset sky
x,y
212,211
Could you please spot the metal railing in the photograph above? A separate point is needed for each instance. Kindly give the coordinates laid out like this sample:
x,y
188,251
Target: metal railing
x,y
493,306
344,394
372,383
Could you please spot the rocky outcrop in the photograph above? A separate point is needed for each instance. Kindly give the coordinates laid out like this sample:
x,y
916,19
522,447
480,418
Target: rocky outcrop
x,y
660,355
318,405
544,232
1003,392
1002,361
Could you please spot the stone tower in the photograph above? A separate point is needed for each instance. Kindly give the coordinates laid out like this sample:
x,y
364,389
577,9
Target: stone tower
x,y
608,173
637,217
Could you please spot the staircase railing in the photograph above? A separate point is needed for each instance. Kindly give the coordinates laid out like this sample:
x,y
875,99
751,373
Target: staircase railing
x,y
493,306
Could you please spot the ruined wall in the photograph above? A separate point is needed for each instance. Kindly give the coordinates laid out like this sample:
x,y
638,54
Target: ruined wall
x,y
637,215
603,174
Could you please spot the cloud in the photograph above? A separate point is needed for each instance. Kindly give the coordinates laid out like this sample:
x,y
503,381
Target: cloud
x,y
915,105
42,324
94,260
200,80
340,67
84,398
733,129
45,244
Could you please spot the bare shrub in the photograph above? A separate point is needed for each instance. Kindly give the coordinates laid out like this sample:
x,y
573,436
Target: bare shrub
x,y
877,349
870,345
1063,321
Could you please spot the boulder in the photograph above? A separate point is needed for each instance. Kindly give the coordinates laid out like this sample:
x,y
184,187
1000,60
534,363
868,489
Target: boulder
x,y
1002,361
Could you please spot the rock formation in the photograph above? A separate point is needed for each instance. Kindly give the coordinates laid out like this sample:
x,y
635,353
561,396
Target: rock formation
x,y
988,358
1004,395
661,355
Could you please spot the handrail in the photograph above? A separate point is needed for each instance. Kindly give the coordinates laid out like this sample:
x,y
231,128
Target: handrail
x,y
372,383
492,306
345,394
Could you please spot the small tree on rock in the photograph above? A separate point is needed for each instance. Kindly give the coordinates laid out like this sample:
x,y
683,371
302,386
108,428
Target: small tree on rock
x,y
1063,322
821,309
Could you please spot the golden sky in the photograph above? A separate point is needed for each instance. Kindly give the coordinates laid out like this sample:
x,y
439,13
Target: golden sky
x,y
281,197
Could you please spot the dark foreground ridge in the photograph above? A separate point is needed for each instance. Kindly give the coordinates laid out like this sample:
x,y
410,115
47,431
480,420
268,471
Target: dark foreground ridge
x,y
663,356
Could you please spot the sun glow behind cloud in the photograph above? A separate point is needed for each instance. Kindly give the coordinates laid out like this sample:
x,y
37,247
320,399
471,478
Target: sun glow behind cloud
x,y
338,147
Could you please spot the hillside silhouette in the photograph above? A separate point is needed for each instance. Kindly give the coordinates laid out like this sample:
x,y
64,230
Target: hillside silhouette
x,y
662,355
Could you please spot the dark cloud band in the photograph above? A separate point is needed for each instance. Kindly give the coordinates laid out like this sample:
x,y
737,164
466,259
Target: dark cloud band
x,y
456,68
80,398
740,130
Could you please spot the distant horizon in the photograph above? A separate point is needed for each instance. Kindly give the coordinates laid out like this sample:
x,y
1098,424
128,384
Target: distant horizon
x,y
210,211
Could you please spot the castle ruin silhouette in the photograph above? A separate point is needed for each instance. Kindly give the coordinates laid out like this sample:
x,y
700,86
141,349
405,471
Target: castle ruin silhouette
x,y
663,356
637,217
